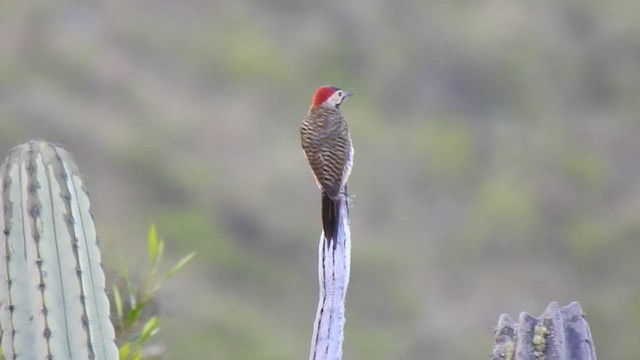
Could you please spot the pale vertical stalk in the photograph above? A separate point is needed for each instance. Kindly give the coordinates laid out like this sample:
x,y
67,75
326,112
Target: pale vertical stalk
x,y
333,276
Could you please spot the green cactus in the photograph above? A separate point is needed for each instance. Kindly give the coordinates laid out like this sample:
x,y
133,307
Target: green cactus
x,y
53,303
560,333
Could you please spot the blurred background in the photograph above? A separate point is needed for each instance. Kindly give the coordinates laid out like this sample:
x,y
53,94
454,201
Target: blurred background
x,y
496,160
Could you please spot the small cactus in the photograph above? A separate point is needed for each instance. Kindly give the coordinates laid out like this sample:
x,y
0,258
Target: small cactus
x,y
560,333
53,303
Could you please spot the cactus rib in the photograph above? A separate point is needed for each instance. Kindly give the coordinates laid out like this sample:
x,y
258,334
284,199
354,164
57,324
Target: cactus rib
x,y
52,300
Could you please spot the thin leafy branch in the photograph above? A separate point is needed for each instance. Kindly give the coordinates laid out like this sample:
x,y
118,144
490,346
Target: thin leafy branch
x,y
131,300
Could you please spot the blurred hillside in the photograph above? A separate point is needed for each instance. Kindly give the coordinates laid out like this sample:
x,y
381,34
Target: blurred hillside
x,y
496,160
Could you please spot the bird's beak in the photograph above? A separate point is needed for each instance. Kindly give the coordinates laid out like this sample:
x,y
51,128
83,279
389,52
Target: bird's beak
x,y
347,94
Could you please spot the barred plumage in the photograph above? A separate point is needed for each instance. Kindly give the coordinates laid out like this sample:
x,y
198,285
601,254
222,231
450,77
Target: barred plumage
x,y
327,145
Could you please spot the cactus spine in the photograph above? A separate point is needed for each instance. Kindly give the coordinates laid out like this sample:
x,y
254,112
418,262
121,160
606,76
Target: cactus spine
x,y
53,303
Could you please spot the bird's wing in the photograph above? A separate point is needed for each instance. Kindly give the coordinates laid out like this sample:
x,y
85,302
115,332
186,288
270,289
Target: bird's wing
x,y
334,155
326,144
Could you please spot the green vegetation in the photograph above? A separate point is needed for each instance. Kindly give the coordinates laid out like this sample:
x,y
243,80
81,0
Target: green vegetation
x,y
133,330
496,151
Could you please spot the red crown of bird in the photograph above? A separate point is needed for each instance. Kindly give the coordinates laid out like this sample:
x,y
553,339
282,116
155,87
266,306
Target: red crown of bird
x,y
322,94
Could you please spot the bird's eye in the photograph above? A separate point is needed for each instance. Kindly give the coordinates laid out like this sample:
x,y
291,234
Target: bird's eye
x,y
340,93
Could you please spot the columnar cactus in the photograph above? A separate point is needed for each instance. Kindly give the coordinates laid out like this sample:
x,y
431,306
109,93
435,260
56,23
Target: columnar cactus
x,y
53,303
560,333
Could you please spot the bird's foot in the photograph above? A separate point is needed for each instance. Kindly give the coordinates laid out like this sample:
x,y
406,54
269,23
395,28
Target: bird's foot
x,y
349,199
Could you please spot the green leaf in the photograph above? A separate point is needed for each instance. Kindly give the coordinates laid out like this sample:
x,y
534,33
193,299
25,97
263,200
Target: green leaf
x,y
140,296
135,313
179,265
132,293
117,299
124,351
149,329
153,244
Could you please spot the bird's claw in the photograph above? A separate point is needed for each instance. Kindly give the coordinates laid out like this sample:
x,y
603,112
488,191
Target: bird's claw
x,y
349,199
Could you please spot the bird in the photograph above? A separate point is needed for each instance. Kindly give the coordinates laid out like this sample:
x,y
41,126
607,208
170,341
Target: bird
x,y
326,143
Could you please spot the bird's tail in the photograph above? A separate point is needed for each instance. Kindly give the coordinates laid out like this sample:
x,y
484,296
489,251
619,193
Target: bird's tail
x,y
330,218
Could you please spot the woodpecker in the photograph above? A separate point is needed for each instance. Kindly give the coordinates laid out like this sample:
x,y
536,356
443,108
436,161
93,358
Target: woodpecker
x,y
327,145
